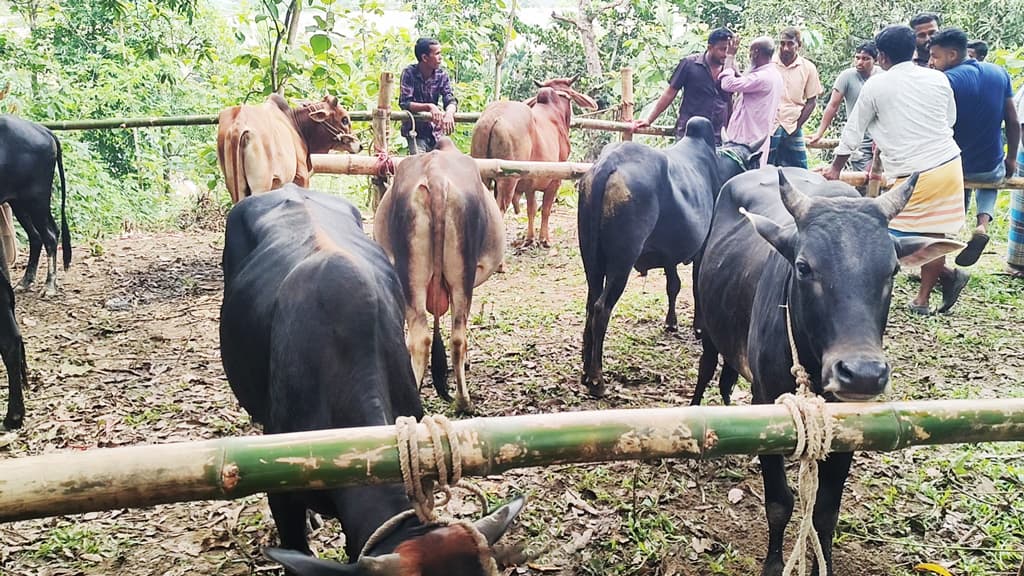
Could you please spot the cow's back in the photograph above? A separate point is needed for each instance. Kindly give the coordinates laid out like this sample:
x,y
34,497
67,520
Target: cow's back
x,y
312,316
28,154
503,131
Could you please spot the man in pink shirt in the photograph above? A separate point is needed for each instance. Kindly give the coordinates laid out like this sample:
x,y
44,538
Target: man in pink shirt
x,y
760,89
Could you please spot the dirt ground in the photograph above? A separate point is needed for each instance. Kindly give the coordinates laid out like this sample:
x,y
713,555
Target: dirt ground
x,y
128,354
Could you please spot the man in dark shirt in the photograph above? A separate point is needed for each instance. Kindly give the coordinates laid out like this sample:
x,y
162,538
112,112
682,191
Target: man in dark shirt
x,y
697,76
422,84
925,25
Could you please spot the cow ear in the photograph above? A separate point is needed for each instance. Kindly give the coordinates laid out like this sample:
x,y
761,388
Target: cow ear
x,y
302,565
319,115
582,100
914,251
782,239
892,202
795,201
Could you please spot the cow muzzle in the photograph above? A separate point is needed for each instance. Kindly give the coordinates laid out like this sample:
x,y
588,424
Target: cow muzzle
x,y
348,143
857,378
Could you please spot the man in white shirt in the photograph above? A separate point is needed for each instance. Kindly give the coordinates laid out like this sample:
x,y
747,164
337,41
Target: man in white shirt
x,y
910,111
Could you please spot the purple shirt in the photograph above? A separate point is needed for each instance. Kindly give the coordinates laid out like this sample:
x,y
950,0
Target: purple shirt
x,y
702,96
415,89
753,117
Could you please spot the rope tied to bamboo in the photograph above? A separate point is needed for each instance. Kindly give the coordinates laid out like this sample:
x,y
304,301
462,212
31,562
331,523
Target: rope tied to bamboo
x,y
814,430
424,493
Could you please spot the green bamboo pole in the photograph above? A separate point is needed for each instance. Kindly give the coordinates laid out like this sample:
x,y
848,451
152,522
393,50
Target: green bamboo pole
x,y
102,479
150,122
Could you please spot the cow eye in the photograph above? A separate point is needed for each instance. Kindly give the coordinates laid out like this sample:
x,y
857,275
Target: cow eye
x,y
803,269
344,121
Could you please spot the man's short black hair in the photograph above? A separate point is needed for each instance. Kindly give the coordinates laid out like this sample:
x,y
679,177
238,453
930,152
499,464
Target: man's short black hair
x,y
867,48
423,47
924,18
952,38
980,48
897,43
720,35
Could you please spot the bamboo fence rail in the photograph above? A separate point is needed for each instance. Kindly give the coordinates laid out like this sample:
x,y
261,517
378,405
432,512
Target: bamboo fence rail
x,y
110,478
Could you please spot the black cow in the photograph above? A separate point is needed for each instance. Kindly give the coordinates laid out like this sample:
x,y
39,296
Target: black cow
x,y
644,208
12,349
312,338
29,154
824,251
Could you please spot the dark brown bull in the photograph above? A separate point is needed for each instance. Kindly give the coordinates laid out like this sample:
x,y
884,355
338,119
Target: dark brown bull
x,y
445,235
261,148
536,130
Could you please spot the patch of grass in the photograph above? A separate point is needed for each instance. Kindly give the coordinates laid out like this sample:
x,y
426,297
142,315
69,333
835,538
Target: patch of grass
x,y
68,541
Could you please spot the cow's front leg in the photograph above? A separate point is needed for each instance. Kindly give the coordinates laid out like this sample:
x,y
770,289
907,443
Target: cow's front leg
x,y
778,506
832,475
51,275
545,212
460,345
289,511
672,286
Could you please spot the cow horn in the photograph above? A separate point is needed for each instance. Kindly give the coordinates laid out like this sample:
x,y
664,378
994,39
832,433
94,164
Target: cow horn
x,y
795,201
538,84
574,79
892,202
496,523
756,145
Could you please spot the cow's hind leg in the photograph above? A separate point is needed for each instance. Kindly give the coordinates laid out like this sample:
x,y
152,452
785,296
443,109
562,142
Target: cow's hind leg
x,y
726,382
832,475
545,212
460,345
35,243
778,506
672,286
531,216
418,341
289,512
49,233
597,327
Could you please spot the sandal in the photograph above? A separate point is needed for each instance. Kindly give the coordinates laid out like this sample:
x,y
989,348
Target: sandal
x,y
919,309
1014,272
975,246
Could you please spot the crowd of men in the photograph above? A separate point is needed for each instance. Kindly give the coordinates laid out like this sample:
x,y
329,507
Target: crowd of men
x,y
940,111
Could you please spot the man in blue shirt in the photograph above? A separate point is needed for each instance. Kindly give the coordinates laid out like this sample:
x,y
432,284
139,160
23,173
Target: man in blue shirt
x,y
422,85
984,103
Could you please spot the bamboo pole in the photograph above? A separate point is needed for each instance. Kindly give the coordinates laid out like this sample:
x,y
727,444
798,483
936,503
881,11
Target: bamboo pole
x,y
110,478
381,137
150,122
626,111
861,178
489,167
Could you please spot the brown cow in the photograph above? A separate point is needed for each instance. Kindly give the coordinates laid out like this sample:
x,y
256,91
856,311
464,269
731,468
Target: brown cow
x,y
264,147
536,130
443,231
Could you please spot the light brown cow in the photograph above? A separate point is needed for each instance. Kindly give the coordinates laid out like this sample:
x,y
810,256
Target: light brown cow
x,y
443,231
536,130
264,147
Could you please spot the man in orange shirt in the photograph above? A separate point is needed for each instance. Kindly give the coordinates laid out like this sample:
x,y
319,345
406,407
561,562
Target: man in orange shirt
x,y
800,89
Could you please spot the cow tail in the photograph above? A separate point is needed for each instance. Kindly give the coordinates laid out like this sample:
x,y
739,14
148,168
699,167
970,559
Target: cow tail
x,y
64,232
438,200
592,188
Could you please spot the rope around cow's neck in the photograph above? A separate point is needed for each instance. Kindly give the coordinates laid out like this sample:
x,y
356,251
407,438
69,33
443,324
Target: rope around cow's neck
x,y
814,427
421,491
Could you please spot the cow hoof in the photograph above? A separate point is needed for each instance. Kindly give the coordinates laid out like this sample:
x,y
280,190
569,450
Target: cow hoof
x,y
13,421
464,407
595,386
673,328
50,292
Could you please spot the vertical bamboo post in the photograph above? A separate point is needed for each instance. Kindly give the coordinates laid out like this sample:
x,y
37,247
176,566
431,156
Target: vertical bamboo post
x,y
381,125
626,111
875,183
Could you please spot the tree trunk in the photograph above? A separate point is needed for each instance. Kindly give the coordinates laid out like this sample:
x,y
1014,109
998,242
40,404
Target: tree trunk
x,y
499,58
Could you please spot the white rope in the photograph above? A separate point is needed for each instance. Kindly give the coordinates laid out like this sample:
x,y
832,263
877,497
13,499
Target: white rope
x,y
424,494
814,429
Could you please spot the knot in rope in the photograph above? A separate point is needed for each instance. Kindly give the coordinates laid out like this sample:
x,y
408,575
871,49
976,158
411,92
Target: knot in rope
x,y
423,492
814,430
